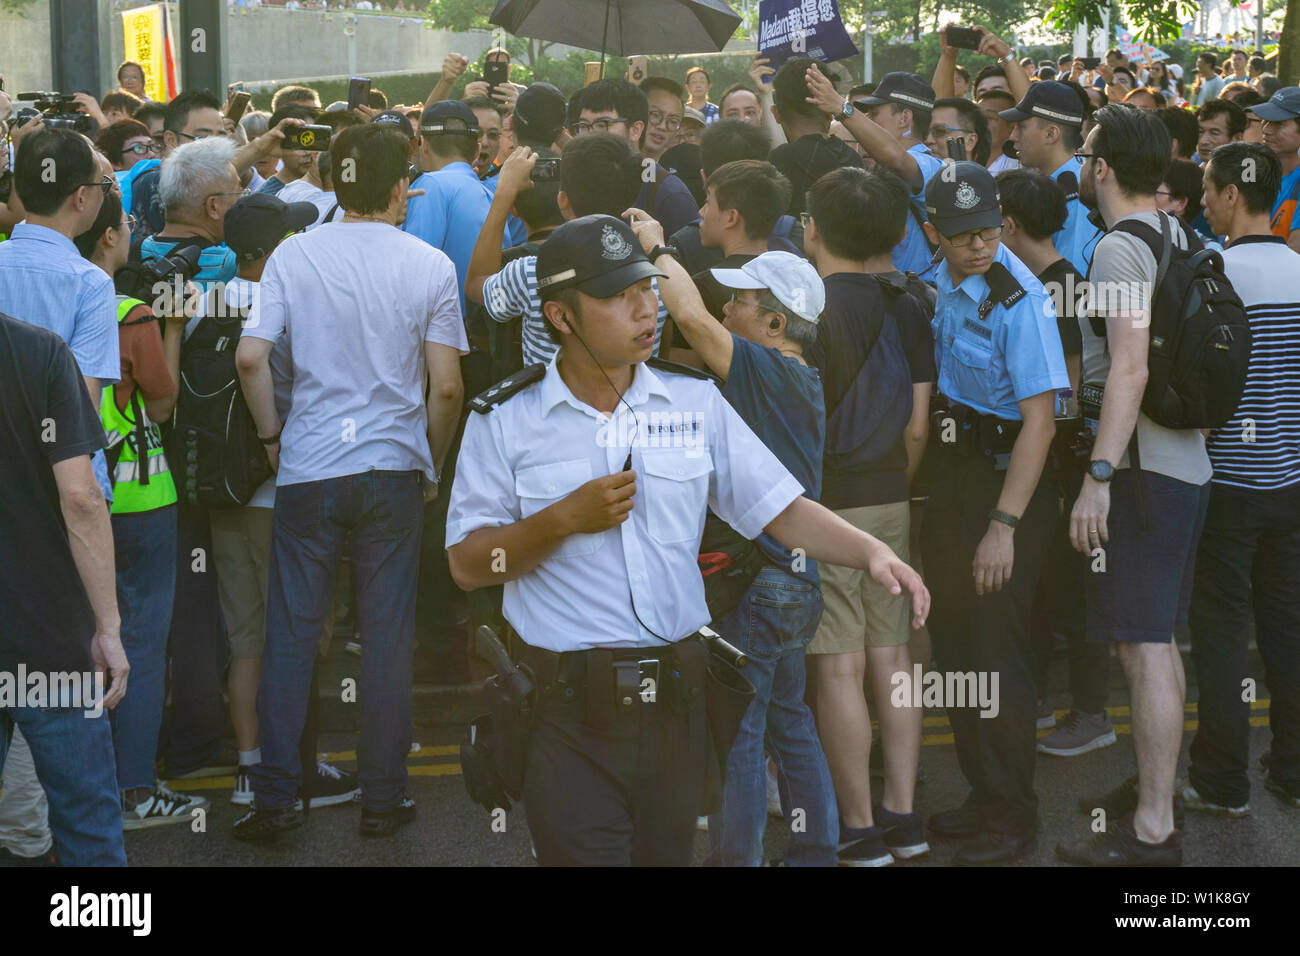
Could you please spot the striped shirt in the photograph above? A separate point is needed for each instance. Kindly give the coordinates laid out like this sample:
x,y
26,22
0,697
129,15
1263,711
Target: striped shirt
x,y
1259,447
513,292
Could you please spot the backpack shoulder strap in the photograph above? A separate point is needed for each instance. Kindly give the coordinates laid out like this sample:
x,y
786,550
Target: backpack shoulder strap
x,y
1004,289
507,387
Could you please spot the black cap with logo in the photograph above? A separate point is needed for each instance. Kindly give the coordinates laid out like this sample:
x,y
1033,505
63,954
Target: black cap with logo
x,y
448,117
1050,100
598,255
909,90
962,196
256,223
398,119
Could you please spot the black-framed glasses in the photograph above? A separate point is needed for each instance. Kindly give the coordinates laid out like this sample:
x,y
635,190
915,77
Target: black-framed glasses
x,y
600,125
985,235
198,136
1083,157
671,123
106,184
140,149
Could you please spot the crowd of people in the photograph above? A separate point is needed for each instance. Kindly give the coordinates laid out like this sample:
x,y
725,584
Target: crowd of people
x,y
742,365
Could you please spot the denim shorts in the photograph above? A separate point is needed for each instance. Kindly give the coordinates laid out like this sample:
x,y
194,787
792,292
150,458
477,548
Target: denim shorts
x,y
1142,592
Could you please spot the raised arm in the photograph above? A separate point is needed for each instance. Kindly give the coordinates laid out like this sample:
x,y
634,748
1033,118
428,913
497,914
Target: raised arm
x,y
515,176
879,144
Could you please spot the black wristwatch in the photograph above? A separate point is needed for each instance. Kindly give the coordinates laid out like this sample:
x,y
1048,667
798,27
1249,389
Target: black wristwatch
x,y
269,441
1101,470
658,251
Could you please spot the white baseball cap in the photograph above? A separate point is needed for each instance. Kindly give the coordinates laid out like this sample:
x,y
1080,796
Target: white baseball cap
x,y
792,279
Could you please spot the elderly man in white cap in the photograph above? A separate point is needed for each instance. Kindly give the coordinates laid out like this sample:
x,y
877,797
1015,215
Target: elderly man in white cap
x,y
757,352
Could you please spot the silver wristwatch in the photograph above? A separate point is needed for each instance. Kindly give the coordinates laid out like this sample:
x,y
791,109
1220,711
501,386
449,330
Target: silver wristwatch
x,y
847,111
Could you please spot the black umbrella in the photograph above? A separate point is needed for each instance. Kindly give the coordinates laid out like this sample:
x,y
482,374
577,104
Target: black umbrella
x,y
622,27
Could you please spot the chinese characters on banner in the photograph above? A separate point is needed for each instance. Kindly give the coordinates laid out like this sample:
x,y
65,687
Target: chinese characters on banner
x,y
147,35
790,28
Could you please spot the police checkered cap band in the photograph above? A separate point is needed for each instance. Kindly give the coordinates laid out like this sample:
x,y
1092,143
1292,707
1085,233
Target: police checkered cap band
x,y
919,101
451,124
1040,110
558,277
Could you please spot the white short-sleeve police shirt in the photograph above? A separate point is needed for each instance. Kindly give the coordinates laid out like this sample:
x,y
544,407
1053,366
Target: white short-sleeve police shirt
x,y
689,450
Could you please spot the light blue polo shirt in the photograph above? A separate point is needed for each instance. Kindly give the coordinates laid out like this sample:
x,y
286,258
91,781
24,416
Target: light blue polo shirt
x,y
450,215
1078,237
1012,354
913,253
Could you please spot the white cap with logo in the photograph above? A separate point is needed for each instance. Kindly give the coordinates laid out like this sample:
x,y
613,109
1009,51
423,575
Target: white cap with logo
x,y
792,279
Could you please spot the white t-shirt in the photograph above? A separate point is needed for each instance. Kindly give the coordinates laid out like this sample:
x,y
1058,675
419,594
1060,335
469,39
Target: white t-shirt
x,y
356,302
302,191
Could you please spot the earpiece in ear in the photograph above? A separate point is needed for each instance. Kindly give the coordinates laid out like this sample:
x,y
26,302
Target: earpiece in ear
x,y
776,324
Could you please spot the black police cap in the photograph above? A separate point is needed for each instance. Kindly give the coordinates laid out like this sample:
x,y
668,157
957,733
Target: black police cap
x,y
1050,100
962,196
598,255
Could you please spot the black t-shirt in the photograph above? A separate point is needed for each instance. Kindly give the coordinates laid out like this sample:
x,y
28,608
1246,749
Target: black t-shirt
x,y
695,258
713,292
849,326
806,160
46,417
1065,292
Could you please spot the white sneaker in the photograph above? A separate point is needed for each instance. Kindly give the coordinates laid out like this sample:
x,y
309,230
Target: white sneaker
x,y
243,793
161,808
774,797
702,823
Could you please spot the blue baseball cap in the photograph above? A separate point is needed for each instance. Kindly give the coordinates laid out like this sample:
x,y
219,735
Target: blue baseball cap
x,y
1284,104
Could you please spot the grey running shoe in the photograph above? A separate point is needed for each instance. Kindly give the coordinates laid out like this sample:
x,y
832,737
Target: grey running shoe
x,y
1193,800
1077,734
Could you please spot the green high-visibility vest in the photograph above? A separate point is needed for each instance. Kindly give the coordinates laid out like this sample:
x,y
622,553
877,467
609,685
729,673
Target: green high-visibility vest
x,y
135,488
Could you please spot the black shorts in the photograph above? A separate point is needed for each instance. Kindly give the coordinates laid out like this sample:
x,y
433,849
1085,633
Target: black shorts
x,y
1146,587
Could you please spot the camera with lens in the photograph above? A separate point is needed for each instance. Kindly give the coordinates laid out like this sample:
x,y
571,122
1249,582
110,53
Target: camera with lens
x,y
58,111
139,280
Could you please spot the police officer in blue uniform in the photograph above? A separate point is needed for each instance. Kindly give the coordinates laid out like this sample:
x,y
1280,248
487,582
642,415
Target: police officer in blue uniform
x,y
990,509
583,485
1048,132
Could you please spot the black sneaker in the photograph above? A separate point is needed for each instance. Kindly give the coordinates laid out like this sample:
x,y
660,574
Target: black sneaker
x,y
1118,845
963,821
904,833
863,847
264,826
1123,800
375,824
330,785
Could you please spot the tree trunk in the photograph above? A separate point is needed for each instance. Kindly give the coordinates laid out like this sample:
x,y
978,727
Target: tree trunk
x,y
1288,55
916,22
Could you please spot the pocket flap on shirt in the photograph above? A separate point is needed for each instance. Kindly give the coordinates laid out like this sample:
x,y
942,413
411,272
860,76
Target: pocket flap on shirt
x,y
676,464
554,480
970,354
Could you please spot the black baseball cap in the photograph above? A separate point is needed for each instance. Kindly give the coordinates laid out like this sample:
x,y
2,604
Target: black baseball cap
x,y
539,112
962,196
448,117
909,90
398,119
1050,100
598,255
256,223
1282,105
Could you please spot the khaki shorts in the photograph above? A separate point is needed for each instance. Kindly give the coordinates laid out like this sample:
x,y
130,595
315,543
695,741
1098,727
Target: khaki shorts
x,y
859,612
241,551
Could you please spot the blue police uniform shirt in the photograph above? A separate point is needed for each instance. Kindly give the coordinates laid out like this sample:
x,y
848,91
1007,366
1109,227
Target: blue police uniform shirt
x,y
516,231
913,253
449,215
1012,354
1078,237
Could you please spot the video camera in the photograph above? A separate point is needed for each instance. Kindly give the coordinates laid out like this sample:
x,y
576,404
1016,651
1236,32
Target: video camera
x,y
58,110
140,279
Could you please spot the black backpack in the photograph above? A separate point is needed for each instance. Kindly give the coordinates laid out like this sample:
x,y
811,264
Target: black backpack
x,y
215,455
871,415
1200,336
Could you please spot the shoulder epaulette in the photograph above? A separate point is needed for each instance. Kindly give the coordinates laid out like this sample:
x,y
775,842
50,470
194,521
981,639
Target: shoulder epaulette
x,y
507,387
676,368
1003,288
1070,183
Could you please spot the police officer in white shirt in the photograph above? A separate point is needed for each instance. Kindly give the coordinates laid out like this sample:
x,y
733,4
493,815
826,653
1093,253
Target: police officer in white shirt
x,y
583,486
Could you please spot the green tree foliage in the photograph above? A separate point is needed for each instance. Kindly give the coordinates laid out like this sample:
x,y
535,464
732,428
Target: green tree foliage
x,y
1154,21
462,16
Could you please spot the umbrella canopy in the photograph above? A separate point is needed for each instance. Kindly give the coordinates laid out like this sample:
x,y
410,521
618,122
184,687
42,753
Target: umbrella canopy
x,y
622,27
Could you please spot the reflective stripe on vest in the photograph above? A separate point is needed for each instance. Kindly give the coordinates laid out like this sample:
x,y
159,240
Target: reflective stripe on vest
x,y
130,495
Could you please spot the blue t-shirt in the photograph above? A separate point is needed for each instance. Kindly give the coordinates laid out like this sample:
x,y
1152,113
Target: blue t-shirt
x,y
1289,183
781,402
449,215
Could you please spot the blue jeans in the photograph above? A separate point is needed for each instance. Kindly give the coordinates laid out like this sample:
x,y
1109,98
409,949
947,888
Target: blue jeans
x,y
773,624
381,513
145,549
73,755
